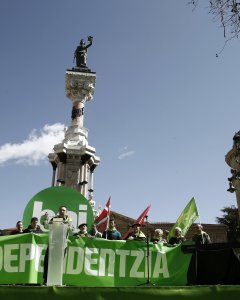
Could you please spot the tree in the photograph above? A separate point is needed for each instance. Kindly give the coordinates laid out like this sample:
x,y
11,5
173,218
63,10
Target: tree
x,y
231,219
227,13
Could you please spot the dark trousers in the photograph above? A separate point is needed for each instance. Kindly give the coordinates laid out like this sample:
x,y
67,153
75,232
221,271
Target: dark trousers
x,y
45,266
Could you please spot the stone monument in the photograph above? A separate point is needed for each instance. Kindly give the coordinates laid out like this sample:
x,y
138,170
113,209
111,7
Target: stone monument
x,y
232,158
74,160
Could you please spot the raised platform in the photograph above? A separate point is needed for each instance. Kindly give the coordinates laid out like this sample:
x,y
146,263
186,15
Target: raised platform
x,y
217,292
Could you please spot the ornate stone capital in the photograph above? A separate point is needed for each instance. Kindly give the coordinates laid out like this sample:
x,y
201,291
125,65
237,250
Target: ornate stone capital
x,y
80,86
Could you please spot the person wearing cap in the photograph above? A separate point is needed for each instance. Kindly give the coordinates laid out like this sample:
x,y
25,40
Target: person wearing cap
x,y
33,227
94,231
158,237
201,237
82,231
178,238
112,233
136,234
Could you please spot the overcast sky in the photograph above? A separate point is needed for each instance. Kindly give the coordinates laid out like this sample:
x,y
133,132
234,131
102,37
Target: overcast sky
x,y
162,118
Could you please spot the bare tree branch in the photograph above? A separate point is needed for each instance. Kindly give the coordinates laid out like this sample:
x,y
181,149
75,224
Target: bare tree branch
x,y
227,12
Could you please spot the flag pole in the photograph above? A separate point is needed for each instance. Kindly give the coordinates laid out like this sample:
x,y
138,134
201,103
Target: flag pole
x,y
201,230
107,226
139,220
196,253
147,253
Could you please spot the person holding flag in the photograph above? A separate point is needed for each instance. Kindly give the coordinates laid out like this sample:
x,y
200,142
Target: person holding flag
x,y
178,238
139,221
111,233
107,227
137,234
185,220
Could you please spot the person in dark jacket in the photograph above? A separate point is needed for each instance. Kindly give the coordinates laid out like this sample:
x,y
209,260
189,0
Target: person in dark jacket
x,y
94,231
33,227
201,237
112,233
19,228
82,231
136,234
178,238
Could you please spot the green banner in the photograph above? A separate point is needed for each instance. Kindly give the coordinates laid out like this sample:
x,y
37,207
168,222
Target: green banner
x,y
93,262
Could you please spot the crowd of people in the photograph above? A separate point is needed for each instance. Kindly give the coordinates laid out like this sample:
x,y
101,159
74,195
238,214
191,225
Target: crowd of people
x,y
111,233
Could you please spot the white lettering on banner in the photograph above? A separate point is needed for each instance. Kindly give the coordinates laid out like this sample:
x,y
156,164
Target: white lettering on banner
x,y
24,252
73,216
16,258
103,262
79,218
39,257
9,258
139,258
27,253
79,258
1,258
82,216
161,266
38,212
89,261
122,264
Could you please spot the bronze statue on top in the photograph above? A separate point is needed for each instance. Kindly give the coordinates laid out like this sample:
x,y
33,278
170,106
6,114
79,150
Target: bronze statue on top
x,y
80,55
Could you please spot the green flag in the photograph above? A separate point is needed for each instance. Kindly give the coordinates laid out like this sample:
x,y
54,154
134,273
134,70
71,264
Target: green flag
x,y
185,220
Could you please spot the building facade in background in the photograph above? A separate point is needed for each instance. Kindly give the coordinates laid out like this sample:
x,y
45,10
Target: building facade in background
x,y
217,232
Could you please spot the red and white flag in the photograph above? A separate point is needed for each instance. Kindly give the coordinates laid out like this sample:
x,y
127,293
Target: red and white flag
x,y
140,221
103,219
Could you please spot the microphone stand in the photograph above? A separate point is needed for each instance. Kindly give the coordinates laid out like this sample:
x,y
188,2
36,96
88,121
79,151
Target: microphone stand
x,y
147,255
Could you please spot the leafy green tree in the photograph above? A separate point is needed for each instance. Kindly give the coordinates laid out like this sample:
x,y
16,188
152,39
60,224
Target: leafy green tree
x,y
231,219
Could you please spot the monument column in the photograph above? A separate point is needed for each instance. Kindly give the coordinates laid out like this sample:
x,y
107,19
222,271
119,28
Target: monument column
x,y
74,157
91,185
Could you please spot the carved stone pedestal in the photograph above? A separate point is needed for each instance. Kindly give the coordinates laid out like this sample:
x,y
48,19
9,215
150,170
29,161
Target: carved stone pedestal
x,y
73,160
